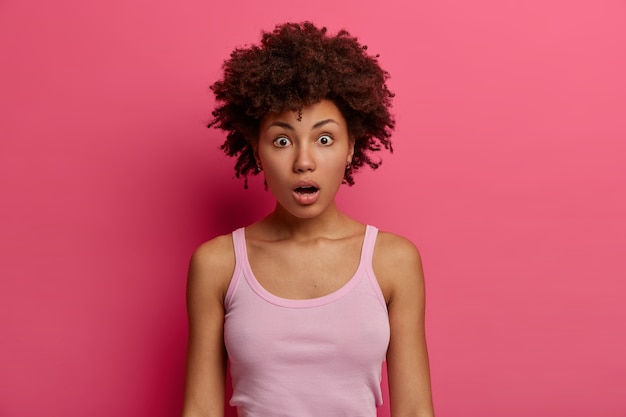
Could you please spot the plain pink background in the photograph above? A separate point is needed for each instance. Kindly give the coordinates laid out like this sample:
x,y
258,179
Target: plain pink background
x,y
509,174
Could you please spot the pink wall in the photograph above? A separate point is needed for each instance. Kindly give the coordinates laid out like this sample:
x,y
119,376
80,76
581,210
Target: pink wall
x,y
509,173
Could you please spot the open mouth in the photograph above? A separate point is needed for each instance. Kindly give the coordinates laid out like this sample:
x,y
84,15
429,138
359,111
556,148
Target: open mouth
x,y
309,189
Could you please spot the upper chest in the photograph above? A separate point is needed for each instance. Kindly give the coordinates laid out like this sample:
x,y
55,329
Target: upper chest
x,y
304,270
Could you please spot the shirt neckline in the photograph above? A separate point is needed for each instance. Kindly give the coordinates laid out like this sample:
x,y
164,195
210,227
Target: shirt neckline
x,y
256,286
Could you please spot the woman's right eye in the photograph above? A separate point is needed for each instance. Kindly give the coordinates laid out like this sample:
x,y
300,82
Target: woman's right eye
x,y
281,142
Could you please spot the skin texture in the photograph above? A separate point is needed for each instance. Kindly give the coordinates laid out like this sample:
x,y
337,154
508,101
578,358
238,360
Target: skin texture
x,y
317,148
307,234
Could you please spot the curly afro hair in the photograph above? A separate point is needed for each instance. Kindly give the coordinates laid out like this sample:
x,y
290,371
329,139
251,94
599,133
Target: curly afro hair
x,y
295,65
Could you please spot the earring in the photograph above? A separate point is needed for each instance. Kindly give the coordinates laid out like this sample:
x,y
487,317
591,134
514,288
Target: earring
x,y
259,168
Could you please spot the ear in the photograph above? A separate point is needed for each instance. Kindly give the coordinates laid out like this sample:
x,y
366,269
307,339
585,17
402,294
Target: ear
x,y
255,148
350,151
255,153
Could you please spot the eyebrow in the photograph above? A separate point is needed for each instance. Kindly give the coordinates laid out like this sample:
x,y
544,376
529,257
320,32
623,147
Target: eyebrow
x,y
315,126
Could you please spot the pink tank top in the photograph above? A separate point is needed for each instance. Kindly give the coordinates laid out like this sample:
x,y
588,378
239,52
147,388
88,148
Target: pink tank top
x,y
319,357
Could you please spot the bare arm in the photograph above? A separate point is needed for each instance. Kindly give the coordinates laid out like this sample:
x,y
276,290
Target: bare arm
x,y
398,266
210,270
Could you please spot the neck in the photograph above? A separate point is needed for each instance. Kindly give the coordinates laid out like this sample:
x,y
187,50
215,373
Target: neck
x,y
331,224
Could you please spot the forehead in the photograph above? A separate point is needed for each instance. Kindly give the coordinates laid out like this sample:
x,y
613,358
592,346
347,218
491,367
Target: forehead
x,y
308,117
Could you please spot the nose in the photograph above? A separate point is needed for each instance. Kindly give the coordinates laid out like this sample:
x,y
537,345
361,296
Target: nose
x,y
305,161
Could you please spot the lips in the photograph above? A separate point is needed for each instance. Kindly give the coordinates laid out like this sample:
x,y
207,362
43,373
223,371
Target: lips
x,y
306,192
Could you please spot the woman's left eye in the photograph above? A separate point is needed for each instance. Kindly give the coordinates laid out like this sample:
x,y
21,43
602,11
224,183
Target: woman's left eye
x,y
325,140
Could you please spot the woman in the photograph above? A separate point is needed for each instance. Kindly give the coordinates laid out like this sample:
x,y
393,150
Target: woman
x,y
307,303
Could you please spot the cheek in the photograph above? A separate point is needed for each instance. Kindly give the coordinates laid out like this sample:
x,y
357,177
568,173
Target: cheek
x,y
275,174
339,160
274,164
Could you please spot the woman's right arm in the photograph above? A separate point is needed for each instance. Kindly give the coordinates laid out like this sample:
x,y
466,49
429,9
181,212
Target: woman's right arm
x,y
210,271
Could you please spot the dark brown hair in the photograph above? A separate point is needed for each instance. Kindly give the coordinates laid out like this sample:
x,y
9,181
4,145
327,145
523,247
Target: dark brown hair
x,y
295,65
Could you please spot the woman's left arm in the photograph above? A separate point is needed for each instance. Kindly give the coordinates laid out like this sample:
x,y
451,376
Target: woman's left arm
x,y
397,265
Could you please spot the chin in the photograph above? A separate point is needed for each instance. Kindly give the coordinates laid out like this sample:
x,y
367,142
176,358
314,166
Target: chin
x,y
303,212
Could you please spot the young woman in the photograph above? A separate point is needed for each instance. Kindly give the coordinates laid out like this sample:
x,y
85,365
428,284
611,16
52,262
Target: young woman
x,y
307,303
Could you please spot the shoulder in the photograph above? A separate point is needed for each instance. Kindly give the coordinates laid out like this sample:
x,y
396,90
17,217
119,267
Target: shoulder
x,y
216,252
211,266
394,250
397,264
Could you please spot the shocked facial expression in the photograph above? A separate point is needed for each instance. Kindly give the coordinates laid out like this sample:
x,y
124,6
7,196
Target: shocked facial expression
x,y
304,158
